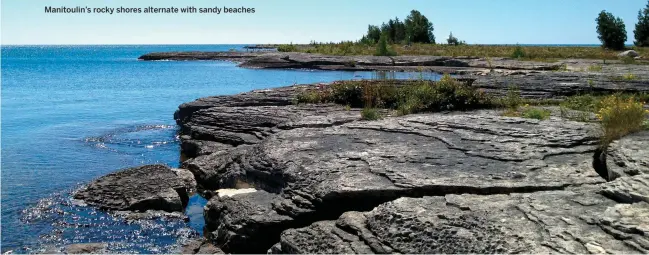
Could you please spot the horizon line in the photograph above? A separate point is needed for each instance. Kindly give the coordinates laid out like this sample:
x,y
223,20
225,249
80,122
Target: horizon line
x,y
134,44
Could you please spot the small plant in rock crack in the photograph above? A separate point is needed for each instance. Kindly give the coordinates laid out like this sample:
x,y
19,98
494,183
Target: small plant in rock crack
x,y
369,113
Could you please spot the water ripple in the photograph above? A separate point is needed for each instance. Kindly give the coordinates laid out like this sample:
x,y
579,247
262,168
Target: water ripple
x,y
135,139
62,220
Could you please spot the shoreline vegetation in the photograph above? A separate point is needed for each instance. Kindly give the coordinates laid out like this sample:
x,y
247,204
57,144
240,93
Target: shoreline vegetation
x,y
618,114
533,53
415,36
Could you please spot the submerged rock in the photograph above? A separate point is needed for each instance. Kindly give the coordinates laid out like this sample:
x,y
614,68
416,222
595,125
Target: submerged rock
x,y
150,187
86,248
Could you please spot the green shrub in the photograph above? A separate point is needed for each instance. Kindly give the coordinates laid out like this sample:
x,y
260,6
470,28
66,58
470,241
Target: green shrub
x,y
586,103
518,52
310,97
382,48
407,97
513,98
536,113
370,114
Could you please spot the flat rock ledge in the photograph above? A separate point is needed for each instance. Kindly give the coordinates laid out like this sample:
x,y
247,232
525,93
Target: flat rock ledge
x,y
150,187
459,182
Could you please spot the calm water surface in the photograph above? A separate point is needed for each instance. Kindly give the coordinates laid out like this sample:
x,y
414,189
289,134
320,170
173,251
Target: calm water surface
x,y
73,113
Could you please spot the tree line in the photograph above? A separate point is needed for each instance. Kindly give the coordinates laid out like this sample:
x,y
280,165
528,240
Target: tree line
x,y
416,28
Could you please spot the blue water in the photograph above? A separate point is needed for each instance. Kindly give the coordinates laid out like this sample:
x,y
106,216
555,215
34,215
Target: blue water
x,y
73,113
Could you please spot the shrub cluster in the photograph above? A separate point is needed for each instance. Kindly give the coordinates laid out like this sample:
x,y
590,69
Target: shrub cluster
x,y
412,97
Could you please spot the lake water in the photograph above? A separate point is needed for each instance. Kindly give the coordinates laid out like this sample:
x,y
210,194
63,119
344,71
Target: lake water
x,y
74,113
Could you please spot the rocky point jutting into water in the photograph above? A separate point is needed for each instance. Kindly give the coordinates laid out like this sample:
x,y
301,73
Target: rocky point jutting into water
x,y
306,178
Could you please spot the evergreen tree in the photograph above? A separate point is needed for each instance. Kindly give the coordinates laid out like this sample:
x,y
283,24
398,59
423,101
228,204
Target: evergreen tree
x,y
418,28
611,30
400,30
373,35
382,47
641,31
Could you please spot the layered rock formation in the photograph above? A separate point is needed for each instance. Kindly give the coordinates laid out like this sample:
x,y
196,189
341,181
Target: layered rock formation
x,y
313,163
568,221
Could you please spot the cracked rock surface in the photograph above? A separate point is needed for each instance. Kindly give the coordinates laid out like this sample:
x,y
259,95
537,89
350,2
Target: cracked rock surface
x,y
473,177
567,221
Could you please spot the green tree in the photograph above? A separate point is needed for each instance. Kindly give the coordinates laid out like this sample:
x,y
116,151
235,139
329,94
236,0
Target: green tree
x,y
399,30
373,35
418,28
382,47
641,31
611,30
452,40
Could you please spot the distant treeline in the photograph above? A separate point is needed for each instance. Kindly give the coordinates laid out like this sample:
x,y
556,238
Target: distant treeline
x,y
416,28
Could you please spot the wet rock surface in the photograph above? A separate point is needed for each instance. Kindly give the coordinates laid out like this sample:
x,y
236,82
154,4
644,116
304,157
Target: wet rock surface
x,y
150,187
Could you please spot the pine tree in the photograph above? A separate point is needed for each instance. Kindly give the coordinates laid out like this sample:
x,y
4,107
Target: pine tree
x,y
641,31
418,28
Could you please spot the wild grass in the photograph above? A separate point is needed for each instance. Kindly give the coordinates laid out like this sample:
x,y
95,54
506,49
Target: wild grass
x,y
595,68
625,77
540,53
620,116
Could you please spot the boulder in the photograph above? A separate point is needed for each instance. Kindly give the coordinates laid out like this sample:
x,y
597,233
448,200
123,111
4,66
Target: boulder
x,y
629,53
149,187
188,179
244,223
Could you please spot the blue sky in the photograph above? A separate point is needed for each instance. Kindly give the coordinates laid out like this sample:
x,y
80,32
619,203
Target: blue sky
x,y
300,21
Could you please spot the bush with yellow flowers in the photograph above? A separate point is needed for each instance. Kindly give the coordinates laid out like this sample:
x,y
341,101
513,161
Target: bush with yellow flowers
x,y
620,116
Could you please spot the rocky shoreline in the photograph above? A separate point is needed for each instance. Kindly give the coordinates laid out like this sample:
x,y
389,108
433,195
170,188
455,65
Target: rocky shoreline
x,y
305,178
